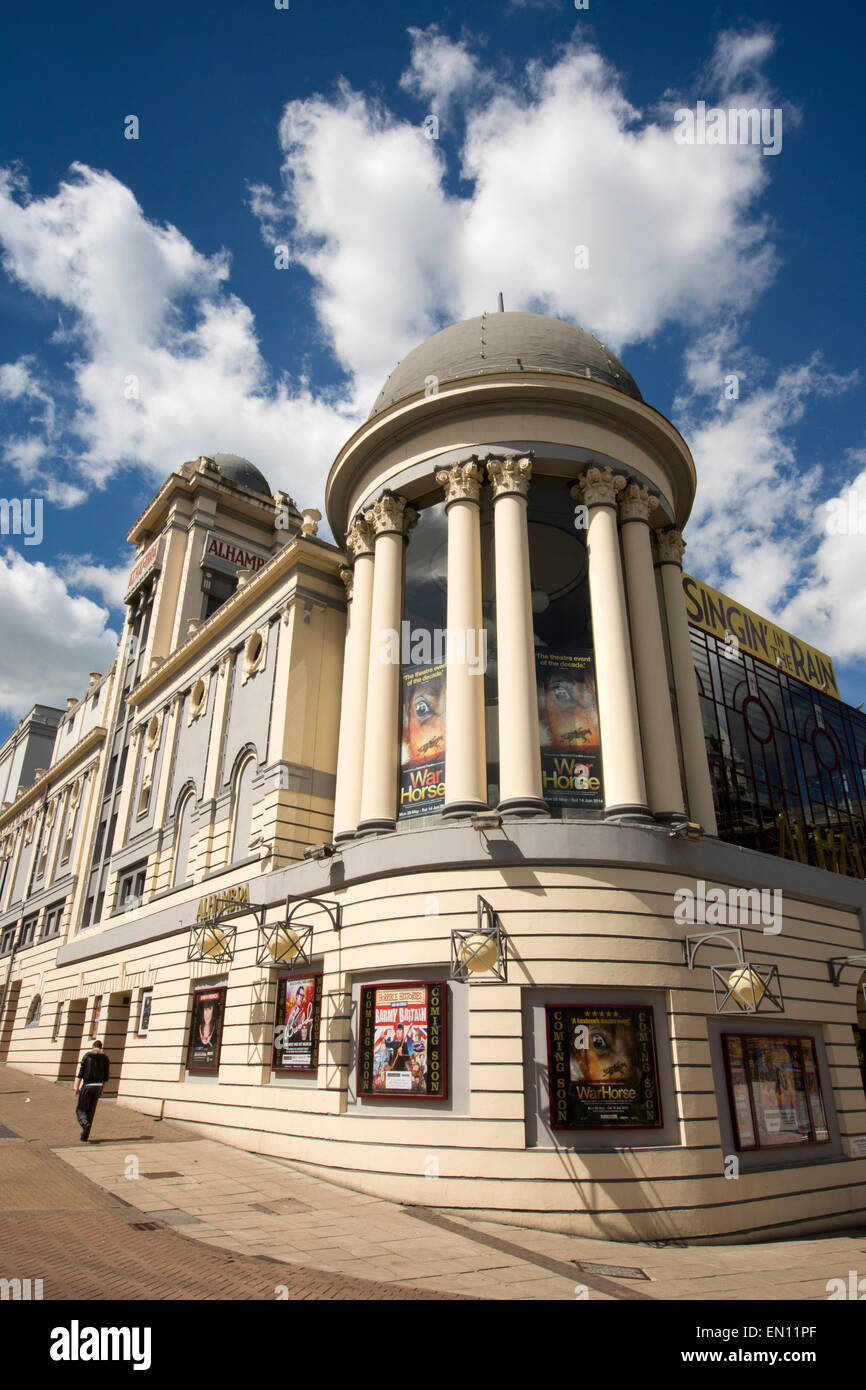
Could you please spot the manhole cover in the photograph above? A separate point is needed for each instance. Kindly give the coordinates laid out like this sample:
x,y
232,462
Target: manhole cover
x,y
612,1271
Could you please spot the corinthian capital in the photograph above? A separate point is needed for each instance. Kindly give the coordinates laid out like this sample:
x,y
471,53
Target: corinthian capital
x,y
509,475
670,546
359,541
598,487
462,482
636,503
391,514
348,578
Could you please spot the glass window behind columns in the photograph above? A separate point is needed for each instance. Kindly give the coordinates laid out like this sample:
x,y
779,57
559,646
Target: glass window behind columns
x,y
420,650
571,770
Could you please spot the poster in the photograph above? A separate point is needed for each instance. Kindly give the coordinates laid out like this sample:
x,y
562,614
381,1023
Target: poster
x,y
738,1081
820,1132
602,1067
778,1091
422,755
568,729
296,1026
97,1014
144,1012
401,1047
205,1034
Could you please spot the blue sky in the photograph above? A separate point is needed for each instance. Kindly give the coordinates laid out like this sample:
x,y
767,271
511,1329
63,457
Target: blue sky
x,y
153,260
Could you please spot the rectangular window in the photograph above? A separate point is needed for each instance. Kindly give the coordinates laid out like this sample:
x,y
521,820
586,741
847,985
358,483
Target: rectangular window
x,y
28,931
144,1008
8,940
775,1091
130,891
53,918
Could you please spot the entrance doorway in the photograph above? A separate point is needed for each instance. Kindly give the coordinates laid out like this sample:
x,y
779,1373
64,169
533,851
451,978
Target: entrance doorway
x,y
73,1040
7,1022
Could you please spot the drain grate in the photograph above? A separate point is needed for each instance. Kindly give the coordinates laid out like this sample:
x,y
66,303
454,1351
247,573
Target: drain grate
x,y
167,1174
612,1271
145,1226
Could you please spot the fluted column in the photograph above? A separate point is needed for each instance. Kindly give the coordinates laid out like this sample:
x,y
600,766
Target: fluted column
x,y
356,674
465,745
658,738
670,548
622,757
390,519
519,751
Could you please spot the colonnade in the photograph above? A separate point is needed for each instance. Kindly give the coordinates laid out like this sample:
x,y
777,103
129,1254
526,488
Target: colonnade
x,y
637,719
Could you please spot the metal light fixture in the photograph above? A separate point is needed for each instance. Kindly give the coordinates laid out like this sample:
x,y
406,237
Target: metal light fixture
x,y
289,942
686,830
751,987
482,951
213,941
837,964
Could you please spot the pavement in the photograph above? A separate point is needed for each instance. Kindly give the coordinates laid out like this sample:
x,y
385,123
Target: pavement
x,y
146,1210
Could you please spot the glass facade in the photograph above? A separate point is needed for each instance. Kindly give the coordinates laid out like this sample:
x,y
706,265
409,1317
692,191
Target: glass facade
x,y
788,763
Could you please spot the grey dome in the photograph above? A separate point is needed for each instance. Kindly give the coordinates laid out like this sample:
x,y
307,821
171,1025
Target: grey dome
x,y
240,470
505,342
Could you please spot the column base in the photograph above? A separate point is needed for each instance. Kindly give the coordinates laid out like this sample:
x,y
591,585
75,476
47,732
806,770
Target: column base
x,y
344,837
629,812
668,817
376,826
524,806
463,809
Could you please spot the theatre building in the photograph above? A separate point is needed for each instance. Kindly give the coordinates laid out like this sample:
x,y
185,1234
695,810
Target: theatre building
x,y
484,859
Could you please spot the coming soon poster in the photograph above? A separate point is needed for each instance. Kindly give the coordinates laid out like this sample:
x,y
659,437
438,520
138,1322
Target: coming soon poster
x,y
568,729
401,1049
602,1068
296,1030
422,763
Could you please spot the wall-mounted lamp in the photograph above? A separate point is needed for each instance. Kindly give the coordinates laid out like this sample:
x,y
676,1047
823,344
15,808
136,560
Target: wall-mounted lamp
x,y
290,942
213,941
837,964
482,951
323,851
751,987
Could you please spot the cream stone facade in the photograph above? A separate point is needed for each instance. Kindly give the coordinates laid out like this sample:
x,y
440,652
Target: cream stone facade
x,y
258,789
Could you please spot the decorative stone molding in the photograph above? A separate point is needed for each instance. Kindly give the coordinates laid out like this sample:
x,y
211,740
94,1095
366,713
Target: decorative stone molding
x,y
255,654
198,698
75,793
636,503
310,523
152,732
348,577
510,475
598,487
670,546
391,515
359,540
51,811
462,482
28,829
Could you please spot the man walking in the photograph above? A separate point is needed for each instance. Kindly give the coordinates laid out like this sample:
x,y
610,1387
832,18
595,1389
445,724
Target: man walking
x,y
92,1076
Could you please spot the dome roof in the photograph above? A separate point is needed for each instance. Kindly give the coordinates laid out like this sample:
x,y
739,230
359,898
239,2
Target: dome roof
x,y
505,342
240,470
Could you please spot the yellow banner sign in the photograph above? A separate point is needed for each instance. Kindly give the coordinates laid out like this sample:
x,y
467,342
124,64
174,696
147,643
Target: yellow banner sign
x,y
228,900
719,615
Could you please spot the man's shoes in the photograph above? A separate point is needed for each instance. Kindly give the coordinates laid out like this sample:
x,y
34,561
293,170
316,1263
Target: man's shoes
x,y
85,1135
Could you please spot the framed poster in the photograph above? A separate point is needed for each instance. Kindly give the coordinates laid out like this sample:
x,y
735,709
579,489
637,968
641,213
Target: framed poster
x,y
775,1091
206,1029
422,752
738,1087
568,729
97,1013
296,1024
602,1067
401,1043
144,1012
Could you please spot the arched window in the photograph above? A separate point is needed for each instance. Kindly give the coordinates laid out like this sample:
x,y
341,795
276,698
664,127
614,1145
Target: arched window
x,y
34,1013
182,835
242,801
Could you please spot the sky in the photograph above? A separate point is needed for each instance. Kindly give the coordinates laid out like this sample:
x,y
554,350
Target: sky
x,y
221,226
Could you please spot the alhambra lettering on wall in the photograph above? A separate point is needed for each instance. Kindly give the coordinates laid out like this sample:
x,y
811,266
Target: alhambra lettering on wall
x,y
228,900
235,554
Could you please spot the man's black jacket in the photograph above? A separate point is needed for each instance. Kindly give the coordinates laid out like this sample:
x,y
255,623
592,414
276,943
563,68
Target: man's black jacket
x,y
94,1067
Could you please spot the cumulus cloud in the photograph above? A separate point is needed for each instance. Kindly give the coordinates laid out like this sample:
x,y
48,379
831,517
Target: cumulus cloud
x,y
109,581
56,636
441,69
164,361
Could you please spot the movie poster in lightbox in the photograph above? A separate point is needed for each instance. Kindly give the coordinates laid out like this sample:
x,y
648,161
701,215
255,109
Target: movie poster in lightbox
x,y
571,772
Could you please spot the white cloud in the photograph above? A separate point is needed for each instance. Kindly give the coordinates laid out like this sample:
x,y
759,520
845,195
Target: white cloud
x,y
110,582
440,69
55,636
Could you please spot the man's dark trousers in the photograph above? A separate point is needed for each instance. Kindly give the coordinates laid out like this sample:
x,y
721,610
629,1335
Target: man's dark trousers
x,y
86,1107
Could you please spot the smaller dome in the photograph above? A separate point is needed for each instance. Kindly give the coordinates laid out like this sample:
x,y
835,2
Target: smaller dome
x,y
240,470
